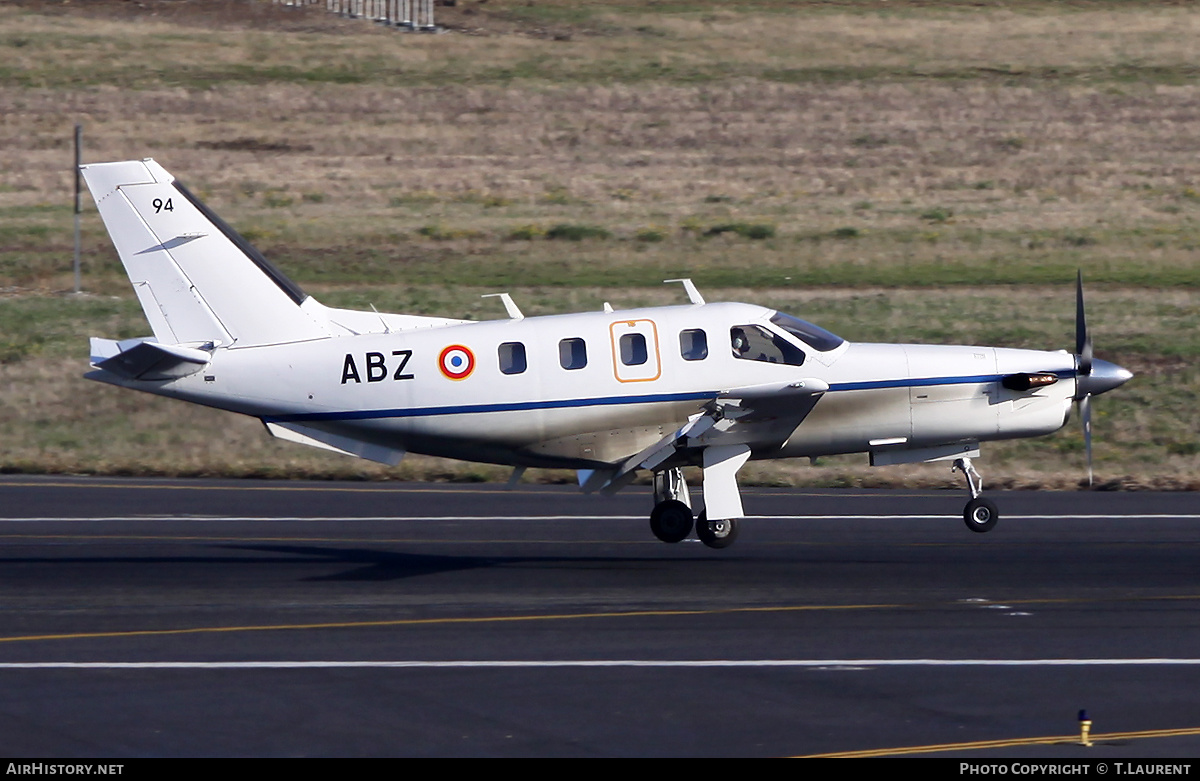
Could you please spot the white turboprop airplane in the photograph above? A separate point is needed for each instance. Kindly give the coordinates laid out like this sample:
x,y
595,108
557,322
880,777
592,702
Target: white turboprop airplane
x,y
607,393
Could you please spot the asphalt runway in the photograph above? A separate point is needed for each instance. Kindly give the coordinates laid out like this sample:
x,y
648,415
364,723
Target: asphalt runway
x,y
143,618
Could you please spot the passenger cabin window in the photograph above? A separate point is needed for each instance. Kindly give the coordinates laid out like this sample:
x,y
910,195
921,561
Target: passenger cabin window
x,y
693,344
633,349
512,358
572,353
755,343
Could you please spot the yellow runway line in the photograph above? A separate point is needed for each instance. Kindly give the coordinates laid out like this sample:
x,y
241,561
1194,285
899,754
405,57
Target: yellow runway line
x,y
982,744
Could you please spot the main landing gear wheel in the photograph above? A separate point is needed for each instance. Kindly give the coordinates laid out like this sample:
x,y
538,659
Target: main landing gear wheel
x,y
671,521
716,534
980,514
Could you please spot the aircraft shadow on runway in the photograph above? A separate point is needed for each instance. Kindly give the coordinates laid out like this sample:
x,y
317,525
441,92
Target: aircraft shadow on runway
x,y
382,565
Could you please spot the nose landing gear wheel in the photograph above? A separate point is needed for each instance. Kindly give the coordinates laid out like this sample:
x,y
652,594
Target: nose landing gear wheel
x,y
716,534
671,521
980,515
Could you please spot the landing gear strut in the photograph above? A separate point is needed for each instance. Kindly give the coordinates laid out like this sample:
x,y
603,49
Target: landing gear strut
x,y
671,519
980,514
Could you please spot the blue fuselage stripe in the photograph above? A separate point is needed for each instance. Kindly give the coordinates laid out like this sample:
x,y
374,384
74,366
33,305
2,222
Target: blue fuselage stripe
x,y
657,398
518,406
916,382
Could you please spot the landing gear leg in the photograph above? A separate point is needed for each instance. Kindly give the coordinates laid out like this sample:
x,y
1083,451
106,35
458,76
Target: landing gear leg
x,y
717,526
671,519
980,514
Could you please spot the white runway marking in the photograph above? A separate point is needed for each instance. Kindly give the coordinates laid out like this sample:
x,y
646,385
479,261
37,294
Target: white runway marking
x,y
340,519
336,519
838,664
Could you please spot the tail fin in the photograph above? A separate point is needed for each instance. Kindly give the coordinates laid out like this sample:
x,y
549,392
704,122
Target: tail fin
x,y
196,278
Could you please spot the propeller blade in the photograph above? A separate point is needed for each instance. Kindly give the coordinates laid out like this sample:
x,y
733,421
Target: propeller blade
x,y
1085,414
1091,376
1083,339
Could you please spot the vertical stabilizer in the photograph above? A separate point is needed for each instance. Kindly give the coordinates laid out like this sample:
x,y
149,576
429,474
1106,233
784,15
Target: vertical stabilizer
x,y
196,278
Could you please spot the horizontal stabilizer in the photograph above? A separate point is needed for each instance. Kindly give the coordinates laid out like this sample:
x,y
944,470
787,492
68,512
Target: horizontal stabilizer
x,y
140,359
338,443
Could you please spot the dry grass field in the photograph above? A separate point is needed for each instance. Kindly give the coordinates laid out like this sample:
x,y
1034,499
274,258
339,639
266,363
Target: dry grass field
x,y
897,171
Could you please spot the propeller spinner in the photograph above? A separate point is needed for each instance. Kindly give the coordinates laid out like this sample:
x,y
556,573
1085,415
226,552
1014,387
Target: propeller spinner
x,y
1092,377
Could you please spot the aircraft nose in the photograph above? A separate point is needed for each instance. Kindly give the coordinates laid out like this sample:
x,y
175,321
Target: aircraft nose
x,y
1105,376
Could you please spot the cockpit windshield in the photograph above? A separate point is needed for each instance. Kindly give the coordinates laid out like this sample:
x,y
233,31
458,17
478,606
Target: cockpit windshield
x,y
814,336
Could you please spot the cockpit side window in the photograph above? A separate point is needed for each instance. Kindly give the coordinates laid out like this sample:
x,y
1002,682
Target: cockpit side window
x,y
755,343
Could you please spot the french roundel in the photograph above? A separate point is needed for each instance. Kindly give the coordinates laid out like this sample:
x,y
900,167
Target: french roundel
x,y
457,362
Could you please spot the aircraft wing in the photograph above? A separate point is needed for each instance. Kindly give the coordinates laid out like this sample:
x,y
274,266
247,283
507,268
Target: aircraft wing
x,y
761,417
776,400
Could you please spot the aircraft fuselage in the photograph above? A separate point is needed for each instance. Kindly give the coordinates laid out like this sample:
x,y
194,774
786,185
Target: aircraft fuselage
x,y
557,391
